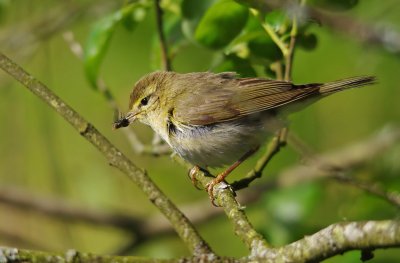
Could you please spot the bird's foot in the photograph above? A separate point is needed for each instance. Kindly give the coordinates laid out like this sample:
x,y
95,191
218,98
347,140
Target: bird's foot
x,y
210,186
192,175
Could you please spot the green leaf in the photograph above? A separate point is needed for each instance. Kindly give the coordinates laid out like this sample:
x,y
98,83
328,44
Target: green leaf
x,y
277,19
192,12
131,21
262,46
100,36
236,64
307,41
4,4
221,24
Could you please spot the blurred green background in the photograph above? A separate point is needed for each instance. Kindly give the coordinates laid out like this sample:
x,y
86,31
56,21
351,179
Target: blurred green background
x,y
41,155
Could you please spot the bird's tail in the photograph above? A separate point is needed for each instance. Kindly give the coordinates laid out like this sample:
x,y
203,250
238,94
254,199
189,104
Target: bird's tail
x,y
354,82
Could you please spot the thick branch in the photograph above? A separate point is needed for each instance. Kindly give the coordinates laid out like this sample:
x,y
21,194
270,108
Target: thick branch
x,y
24,255
333,240
114,156
339,238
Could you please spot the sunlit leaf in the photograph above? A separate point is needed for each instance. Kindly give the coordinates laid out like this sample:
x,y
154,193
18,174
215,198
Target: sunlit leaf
x,y
221,24
100,35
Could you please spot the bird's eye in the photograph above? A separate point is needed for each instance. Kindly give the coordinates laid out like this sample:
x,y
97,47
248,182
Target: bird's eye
x,y
144,101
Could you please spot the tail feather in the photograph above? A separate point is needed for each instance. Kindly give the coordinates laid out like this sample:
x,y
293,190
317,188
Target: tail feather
x,y
354,82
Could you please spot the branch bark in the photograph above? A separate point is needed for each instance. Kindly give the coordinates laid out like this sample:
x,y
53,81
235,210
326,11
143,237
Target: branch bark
x,y
333,240
339,238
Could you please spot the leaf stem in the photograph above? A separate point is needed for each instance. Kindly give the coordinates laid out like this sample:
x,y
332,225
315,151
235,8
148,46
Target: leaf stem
x,y
270,31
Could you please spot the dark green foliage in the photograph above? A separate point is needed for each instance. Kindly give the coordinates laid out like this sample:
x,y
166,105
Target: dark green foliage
x,y
221,24
236,64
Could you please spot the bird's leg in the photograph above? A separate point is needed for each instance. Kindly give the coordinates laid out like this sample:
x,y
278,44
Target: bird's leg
x,y
221,177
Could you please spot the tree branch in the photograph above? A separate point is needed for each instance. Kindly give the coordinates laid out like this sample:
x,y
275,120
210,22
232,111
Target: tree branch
x,y
333,240
339,238
225,197
163,42
114,156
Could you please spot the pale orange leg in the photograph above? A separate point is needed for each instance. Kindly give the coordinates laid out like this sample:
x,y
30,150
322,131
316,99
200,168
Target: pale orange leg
x,y
221,177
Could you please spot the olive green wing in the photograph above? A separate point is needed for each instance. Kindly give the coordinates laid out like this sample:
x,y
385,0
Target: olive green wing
x,y
215,98
222,97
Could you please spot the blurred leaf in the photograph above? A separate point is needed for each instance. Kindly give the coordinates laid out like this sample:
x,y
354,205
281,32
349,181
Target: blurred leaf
x,y
239,65
256,4
221,24
308,41
100,35
138,14
3,6
335,5
269,72
173,32
262,46
192,12
293,205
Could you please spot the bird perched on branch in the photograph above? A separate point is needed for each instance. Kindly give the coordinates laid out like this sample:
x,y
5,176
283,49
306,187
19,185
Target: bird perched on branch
x,y
214,120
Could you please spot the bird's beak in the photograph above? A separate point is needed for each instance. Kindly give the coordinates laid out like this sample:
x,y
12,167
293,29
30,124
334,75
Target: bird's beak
x,y
125,120
131,116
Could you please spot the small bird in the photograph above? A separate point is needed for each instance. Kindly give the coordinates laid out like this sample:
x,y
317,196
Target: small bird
x,y
215,120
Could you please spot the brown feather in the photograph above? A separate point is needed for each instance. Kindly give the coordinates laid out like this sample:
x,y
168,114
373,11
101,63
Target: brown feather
x,y
222,97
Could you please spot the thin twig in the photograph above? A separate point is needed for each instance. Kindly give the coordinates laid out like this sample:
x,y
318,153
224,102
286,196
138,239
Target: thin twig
x,y
289,56
387,37
77,50
137,146
270,31
371,188
331,165
273,148
163,42
114,156
277,68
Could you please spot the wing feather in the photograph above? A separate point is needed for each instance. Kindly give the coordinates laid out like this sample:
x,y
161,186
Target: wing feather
x,y
223,97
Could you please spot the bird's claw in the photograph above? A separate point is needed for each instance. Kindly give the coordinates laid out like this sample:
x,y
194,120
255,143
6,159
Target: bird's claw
x,y
192,175
210,190
212,185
